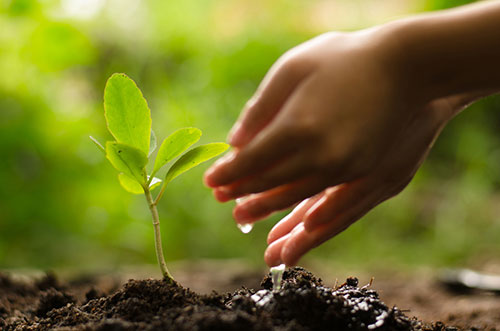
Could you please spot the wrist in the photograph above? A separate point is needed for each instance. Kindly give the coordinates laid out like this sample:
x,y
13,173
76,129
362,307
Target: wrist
x,y
448,53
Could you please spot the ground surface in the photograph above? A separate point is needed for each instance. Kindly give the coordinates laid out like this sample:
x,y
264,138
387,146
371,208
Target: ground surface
x,y
103,303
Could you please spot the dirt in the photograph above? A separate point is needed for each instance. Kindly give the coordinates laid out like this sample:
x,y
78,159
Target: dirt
x,y
430,300
303,303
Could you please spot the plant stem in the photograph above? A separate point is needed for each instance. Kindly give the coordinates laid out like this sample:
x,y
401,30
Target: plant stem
x,y
158,197
156,226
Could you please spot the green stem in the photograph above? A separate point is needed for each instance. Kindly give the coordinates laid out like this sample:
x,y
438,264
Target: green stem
x,y
162,189
156,226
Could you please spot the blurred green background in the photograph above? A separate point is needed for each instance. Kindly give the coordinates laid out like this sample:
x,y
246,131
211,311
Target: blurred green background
x,y
197,62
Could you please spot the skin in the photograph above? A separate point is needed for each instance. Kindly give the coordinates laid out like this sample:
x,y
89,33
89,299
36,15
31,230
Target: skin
x,y
342,122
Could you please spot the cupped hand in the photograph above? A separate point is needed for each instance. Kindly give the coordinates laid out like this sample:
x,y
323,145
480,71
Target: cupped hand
x,y
333,210
334,123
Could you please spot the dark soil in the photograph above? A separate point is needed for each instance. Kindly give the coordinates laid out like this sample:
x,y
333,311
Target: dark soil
x,y
303,303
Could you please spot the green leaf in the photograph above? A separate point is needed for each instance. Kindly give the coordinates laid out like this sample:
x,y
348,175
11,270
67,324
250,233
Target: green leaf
x,y
98,144
152,145
174,145
194,157
127,159
127,113
130,184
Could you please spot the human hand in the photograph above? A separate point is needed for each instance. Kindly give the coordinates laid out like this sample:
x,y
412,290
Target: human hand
x,y
333,210
335,123
325,114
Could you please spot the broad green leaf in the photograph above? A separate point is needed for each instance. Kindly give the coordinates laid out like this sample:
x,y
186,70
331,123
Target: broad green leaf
x,y
130,184
127,159
98,144
152,143
127,113
194,157
174,145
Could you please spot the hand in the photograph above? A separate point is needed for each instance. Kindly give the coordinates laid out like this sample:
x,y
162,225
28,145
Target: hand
x,y
330,212
335,123
325,114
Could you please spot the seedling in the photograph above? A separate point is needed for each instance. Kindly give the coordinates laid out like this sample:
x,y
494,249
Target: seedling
x,y
128,119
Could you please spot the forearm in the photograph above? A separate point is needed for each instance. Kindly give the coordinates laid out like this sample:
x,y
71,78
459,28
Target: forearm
x,y
448,53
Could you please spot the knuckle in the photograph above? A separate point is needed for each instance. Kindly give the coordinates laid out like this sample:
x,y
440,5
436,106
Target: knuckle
x,y
293,63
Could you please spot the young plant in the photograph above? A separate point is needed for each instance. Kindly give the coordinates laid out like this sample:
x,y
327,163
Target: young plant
x,y
128,120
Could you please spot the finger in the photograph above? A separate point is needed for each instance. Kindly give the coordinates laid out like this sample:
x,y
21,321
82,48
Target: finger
x,y
301,241
272,145
262,204
272,255
278,84
335,201
286,171
286,225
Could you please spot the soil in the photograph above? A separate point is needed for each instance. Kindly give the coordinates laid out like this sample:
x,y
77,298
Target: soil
x,y
303,303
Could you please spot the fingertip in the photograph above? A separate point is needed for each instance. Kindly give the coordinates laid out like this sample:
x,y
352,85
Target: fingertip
x,y
272,255
220,195
210,176
251,209
271,259
207,181
217,174
241,214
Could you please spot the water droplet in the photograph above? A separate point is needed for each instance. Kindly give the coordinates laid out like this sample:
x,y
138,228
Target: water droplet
x,y
277,276
245,228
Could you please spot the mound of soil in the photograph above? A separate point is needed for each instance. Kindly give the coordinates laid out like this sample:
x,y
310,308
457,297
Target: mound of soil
x,y
303,303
